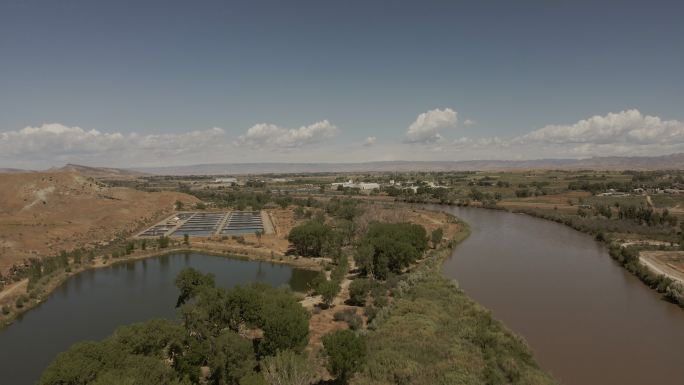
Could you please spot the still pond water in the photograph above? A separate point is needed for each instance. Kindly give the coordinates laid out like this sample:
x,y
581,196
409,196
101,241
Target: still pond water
x,y
587,319
92,304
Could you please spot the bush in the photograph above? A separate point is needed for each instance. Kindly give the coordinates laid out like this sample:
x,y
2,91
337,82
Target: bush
x,y
349,316
329,290
5,310
20,301
346,353
289,368
370,312
358,291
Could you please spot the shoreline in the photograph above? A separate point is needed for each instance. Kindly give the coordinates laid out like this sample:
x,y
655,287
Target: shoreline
x,y
654,274
54,283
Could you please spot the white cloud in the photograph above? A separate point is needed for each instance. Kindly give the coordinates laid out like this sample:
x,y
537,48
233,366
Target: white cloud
x,y
427,126
370,141
469,123
264,135
629,127
54,143
622,133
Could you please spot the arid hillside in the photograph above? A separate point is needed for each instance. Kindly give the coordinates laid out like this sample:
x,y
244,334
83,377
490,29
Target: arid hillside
x,y
99,172
43,213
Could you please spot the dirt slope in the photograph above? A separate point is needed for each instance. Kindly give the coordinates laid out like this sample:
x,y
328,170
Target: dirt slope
x,y
44,212
99,172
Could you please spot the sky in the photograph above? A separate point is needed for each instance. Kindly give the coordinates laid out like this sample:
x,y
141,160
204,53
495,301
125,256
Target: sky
x,y
162,83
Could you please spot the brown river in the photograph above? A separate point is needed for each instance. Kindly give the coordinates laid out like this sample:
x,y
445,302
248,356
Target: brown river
x,y
587,319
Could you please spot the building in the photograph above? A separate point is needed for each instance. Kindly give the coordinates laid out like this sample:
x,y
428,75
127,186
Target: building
x,y
226,180
361,186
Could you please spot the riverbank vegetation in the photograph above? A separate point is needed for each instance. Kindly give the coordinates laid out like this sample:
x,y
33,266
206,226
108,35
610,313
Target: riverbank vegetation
x,y
635,210
256,334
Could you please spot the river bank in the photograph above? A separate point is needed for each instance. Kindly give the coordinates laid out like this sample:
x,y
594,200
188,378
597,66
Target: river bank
x,y
665,281
432,332
670,286
584,316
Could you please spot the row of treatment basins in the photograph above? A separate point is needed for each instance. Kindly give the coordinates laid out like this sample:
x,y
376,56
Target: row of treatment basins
x,y
205,224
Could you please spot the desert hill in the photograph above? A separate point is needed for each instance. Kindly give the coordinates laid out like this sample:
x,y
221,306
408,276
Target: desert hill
x,y
671,162
42,213
99,172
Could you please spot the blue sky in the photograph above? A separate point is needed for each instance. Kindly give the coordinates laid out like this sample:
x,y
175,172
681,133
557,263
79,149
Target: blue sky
x,y
174,82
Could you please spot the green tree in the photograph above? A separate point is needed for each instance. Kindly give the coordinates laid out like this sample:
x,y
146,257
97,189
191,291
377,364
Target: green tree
x,y
436,236
328,290
346,353
285,324
190,281
106,363
232,359
150,338
358,291
310,238
390,247
163,242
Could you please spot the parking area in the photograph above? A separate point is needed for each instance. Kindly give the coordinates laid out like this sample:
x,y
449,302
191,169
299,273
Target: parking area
x,y
207,224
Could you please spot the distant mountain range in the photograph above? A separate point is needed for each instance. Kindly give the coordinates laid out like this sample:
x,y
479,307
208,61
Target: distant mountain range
x,y
671,162
665,162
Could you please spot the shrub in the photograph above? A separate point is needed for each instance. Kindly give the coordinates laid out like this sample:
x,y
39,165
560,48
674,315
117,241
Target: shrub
x,y
370,312
358,291
346,353
329,290
349,316
19,302
289,368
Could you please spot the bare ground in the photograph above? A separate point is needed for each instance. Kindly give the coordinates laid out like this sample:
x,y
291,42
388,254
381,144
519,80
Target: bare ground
x,y
668,263
43,213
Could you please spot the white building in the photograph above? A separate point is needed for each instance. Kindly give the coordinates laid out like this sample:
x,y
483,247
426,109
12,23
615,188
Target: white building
x,y
225,180
362,186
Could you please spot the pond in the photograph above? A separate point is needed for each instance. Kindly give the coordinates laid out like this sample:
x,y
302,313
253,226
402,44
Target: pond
x,y
92,304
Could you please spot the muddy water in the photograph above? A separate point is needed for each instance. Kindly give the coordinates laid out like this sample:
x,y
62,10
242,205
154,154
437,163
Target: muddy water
x,y
586,318
92,304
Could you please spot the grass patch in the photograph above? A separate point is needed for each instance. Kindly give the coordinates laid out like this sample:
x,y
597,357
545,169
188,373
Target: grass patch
x,y
436,335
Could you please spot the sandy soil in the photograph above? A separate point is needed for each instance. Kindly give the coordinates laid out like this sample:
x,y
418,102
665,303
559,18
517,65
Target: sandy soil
x,y
43,213
548,202
13,290
668,263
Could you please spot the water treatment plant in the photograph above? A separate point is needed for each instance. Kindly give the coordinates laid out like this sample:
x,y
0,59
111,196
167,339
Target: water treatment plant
x,y
207,224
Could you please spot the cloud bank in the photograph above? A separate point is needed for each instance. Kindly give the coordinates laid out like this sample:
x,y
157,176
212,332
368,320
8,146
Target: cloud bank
x,y
624,133
57,141
269,135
